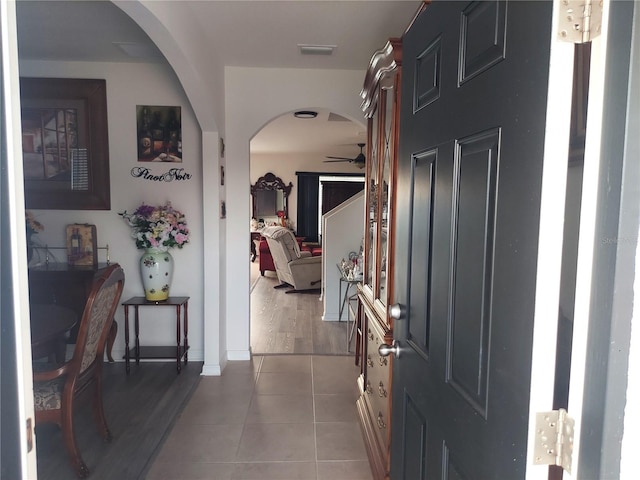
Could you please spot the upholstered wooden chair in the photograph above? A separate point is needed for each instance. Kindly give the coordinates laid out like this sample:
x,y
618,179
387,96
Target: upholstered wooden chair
x,y
56,390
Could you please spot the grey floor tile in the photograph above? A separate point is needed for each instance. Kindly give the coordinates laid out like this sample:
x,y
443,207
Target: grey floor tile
x,y
275,471
190,471
219,409
345,470
230,384
339,441
202,443
335,408
280,409
334,374
274,442
244,366
283,384
286,363
256,421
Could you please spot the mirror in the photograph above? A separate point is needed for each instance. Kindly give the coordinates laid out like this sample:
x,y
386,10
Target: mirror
x,y
270,195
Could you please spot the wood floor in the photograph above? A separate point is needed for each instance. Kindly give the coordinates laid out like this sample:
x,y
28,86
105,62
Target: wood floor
x,y
292,323
140,407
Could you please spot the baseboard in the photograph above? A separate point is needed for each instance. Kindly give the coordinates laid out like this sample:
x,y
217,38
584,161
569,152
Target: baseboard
x,y
238,355
211,371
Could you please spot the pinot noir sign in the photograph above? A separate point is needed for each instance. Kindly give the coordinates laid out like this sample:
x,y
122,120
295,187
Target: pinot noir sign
x,y
168,176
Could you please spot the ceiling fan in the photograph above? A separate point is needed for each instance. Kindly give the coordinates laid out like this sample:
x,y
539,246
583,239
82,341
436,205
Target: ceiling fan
x,y
359,160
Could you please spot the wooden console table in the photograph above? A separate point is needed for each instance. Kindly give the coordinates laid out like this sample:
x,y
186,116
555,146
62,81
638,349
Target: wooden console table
x,y
178,351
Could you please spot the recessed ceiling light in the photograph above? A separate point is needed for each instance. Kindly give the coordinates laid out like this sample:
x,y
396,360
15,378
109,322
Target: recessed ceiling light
x,y
305,114
306,49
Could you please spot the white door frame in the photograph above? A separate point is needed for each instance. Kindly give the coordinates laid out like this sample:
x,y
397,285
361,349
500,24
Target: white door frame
x,y
593,203
17,233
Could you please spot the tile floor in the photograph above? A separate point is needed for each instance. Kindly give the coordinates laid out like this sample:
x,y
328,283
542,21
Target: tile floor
x,y
280,417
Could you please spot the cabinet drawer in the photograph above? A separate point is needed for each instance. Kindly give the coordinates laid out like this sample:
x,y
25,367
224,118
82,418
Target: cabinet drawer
x,y
377,384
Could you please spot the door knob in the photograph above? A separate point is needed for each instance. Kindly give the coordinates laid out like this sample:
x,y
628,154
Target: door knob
x,y
397,311
385,349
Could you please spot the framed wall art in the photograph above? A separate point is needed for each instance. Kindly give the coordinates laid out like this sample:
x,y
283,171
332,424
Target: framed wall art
x,y
159,134
65,144
82,244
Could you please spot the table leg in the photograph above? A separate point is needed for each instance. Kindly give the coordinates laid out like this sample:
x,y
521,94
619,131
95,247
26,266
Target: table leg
x,y
186,332
339,297
126,338
344,302
353,324
178,356
137,331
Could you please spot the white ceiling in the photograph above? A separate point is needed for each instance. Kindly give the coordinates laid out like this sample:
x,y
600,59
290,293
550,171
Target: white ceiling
x,y
259,33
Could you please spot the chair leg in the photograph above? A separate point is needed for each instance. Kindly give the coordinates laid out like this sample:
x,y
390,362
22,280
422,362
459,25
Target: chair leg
x,y
98,410
69,436
111,339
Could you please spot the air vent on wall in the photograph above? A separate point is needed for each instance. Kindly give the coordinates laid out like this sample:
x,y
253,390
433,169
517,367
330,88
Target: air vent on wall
x,y
316,49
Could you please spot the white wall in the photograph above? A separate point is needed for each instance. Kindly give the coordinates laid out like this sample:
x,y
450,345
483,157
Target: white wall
x,y
129,85
254,96
285,166
342,232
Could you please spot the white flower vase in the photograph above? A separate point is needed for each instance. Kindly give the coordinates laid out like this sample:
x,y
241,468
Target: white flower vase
x,y
156,271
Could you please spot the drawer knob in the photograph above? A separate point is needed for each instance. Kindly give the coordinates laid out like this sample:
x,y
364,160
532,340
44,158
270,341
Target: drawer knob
x,y
369,361
385,349
381,390
381,423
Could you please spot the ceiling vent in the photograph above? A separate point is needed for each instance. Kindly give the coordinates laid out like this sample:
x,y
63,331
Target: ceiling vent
x,y
316,49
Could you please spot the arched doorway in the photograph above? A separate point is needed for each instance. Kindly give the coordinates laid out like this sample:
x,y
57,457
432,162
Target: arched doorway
x,y
286,146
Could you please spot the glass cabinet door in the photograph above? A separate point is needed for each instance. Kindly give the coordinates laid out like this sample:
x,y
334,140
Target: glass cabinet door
x,y
372,203
386,158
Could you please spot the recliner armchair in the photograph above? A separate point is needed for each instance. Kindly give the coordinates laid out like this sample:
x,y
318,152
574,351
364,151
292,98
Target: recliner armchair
x,y
294,268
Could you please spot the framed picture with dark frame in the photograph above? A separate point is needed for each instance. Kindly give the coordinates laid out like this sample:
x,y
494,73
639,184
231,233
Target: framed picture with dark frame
x,y
159,133
65,143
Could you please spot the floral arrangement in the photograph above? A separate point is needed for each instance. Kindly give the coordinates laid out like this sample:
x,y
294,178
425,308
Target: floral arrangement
x,y
33,226
161,227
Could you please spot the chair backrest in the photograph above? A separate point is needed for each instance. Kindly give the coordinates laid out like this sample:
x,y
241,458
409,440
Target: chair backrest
x,y
286,239
97,317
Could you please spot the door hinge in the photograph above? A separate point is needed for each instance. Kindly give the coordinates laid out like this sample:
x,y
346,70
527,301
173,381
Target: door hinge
x,y
554,439
580,21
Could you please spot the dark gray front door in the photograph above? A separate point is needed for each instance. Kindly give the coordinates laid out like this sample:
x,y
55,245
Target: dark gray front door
x,y
472,129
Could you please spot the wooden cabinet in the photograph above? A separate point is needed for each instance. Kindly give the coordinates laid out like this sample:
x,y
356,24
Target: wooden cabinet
x,y
381,107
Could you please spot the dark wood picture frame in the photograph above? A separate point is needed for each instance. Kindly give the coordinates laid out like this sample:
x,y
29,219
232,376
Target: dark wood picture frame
x,y
85,139
159,133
